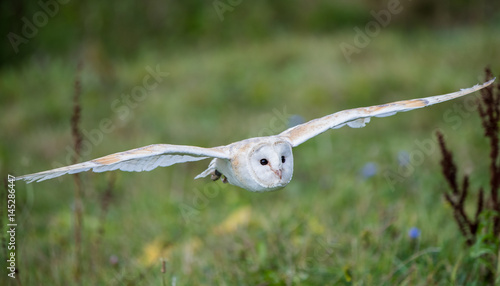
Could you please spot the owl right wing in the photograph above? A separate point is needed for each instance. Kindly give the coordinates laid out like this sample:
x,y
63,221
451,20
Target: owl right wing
x,y
358,117
136,160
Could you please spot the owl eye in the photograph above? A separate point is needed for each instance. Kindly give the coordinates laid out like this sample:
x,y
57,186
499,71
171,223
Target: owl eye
x,y
283,159
263,162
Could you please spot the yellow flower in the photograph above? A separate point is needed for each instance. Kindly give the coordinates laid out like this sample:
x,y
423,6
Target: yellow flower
x,y
155,250
236,219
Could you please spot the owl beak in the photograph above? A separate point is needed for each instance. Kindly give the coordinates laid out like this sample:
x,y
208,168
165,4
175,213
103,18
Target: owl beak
x,y
278,173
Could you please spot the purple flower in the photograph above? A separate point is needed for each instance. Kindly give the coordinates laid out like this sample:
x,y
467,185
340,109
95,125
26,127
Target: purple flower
x,y
403,158
369,170
414,233
295,120
113,260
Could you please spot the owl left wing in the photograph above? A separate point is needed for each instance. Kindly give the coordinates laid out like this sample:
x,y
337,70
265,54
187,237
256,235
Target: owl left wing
x,y
136,160
358,117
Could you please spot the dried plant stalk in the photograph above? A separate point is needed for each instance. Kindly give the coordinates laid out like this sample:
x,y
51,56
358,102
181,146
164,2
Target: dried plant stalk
x,y
489,111
77,144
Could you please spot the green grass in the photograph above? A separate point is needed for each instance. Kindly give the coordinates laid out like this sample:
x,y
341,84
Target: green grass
x,y
330,226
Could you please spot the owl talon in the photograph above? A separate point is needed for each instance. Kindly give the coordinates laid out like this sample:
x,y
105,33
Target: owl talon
x,y
224,179
216,175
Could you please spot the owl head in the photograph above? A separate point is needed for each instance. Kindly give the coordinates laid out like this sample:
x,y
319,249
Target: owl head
x,y
270,165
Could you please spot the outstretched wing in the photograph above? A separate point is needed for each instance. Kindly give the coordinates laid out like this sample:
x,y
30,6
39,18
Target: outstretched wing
x,y
135,160
358,117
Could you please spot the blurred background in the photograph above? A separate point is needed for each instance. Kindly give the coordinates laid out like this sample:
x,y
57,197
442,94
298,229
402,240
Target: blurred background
x,y
132,27
365,205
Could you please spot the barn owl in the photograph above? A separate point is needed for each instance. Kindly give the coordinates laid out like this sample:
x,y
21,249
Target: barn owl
x,y
256,164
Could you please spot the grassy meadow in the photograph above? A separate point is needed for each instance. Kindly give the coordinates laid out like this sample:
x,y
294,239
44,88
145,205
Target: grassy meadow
x,y
345,217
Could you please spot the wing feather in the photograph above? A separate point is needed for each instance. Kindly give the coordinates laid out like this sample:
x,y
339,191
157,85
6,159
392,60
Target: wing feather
x,y
136,160
358,117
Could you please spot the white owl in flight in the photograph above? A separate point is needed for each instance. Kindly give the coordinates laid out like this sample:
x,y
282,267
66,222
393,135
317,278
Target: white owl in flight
x,y
257,164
